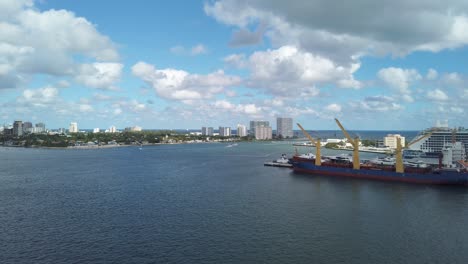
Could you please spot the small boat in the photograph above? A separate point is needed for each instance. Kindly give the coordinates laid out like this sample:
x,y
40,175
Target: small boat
x,y
281,162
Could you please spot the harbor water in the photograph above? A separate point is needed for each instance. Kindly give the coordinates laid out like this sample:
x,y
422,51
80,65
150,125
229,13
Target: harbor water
x,y
209,203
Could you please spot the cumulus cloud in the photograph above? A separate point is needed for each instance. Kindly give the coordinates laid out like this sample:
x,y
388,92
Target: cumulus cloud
x,y
398,78
245,37
376,104
39,97
437,95
248,109
288,70
336,108
198,49
36,42
432,74
421,26
99,75
180,85
235,60
453,79
85,108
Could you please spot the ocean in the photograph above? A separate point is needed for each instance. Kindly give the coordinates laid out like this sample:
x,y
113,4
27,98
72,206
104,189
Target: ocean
x,y
209,203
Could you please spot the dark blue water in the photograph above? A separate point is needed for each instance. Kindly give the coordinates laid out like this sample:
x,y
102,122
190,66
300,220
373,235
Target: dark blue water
x,y
206,203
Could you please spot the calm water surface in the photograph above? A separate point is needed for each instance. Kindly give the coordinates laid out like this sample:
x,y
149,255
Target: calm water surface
x,y
207,203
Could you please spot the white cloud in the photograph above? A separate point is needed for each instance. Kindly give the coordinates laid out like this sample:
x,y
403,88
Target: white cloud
x,y
198,49
456,110
376,104
181,85
248,109
453,79
85,108
288,71
100,75
320,27
437,95
178,50
235,60
39,97
46,42
336,108
398,78
431,74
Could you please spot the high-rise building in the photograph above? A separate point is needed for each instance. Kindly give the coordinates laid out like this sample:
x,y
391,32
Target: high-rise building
x,y
391,140
224,131
207,131
241,130
96,130
73,127
112,129
40,128
263,132
254,124
133,129
18,128
284,127
27,127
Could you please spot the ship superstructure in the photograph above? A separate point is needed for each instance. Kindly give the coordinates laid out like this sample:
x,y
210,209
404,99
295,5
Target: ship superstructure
x,y
440,137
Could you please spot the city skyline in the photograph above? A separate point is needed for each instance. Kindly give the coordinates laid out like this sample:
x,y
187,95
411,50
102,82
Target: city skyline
x,y
180,65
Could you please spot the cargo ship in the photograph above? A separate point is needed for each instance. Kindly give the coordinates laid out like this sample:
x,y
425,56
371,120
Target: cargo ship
x,y
449,171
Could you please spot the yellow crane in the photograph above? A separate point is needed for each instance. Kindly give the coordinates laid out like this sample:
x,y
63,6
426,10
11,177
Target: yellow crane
x,y
399,166
355,143
317,144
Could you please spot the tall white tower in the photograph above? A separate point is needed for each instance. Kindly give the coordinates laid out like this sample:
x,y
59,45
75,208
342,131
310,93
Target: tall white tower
x,y
73,127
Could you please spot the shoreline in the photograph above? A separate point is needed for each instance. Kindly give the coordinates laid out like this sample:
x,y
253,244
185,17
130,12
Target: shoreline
x,y
104,146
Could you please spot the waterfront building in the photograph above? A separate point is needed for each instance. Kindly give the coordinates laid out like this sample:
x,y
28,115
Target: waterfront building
x,y
39,128
241,130
133,129
224,131
18,128
284,127
112,129
207,131
263,132
254,124
96,130
27,127
391,140
73,128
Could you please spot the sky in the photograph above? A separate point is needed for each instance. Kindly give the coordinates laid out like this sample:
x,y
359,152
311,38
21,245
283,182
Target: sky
x,y
374,65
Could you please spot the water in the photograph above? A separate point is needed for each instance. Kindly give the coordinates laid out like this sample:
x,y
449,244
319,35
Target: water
x,y
206,203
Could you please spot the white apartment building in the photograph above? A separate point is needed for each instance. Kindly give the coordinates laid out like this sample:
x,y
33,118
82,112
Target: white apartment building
x,y
284,127
225,131
241,130
263,132
73,128
391,140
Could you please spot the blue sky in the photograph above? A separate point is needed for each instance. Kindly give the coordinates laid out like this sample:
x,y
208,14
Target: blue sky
x,y
188,64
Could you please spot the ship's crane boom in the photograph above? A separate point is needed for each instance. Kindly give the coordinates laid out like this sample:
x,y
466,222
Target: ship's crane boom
x,y
317,144
355,143
399,166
